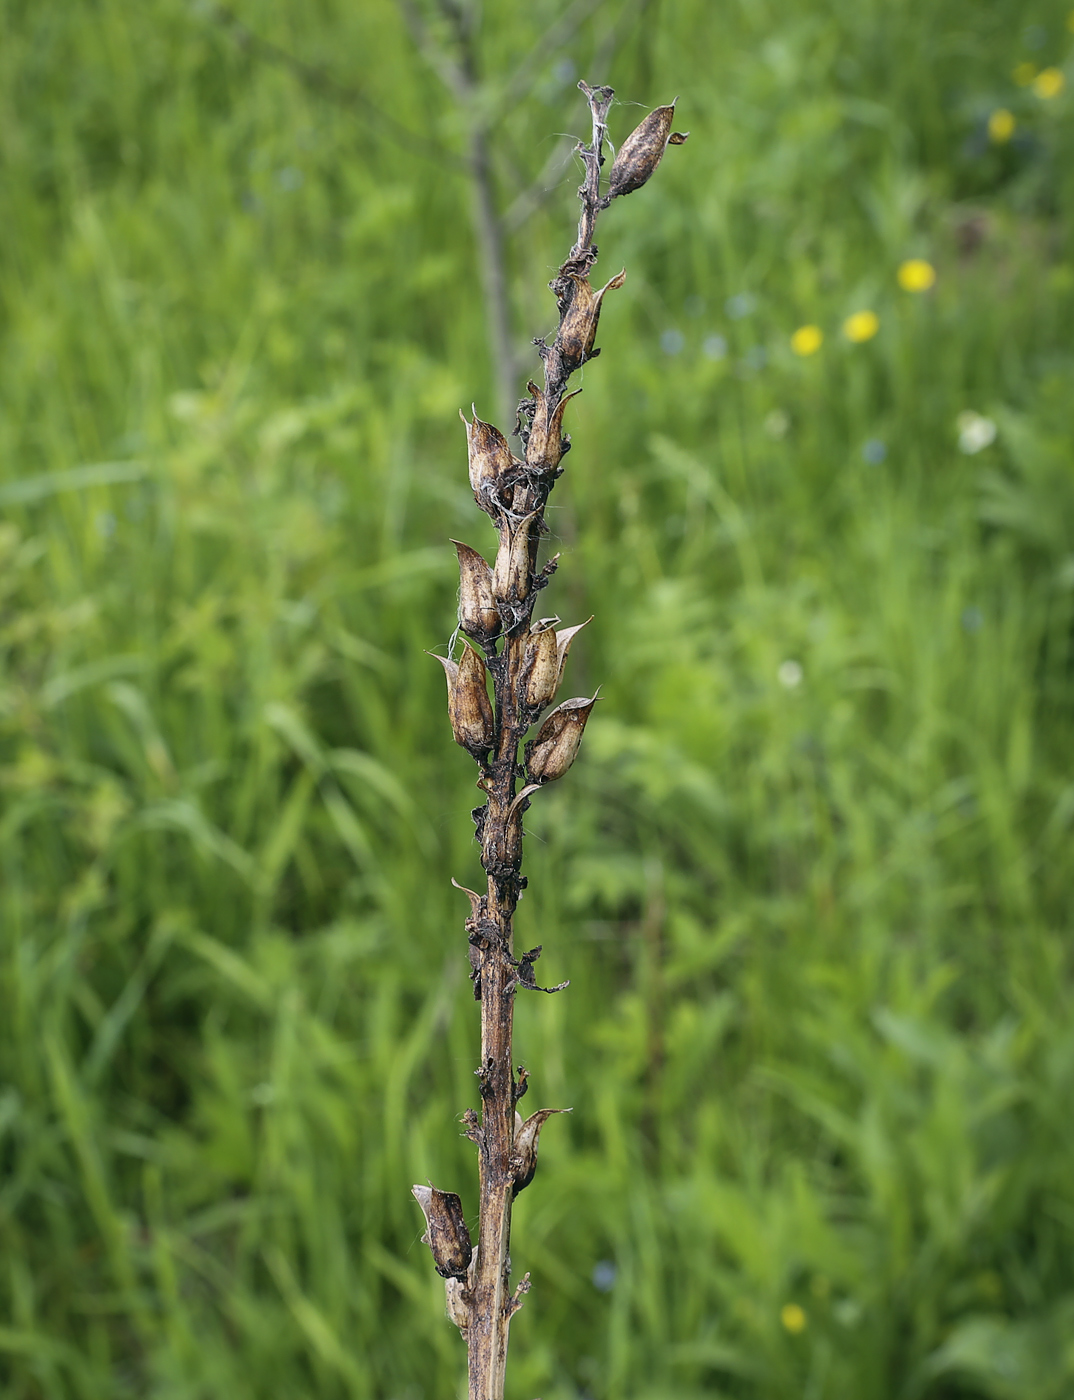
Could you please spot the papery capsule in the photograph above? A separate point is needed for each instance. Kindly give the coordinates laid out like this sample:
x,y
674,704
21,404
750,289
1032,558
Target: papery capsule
x,y
540,669
556,746
478,614
469,709
490,458
643,150
445,1231
472,717
511,576
527,1136
545,445
578,328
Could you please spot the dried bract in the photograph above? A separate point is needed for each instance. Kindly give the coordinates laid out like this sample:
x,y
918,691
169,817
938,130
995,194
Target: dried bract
x,y
527,1135
556,746
563,646
545,446
578,328
445,1231
478,615
643,150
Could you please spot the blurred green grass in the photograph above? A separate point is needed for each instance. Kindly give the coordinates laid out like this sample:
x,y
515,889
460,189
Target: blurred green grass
x,y
810,878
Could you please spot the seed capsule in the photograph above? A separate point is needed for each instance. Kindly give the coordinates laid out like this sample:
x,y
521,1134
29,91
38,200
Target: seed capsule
x,y
445,1231
643,150
578,329
511,576
469,708
478,614
540,669
545,446
490,458
527,1135
556,746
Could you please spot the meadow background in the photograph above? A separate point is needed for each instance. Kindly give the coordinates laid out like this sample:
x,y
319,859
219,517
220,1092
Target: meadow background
x,y
810,878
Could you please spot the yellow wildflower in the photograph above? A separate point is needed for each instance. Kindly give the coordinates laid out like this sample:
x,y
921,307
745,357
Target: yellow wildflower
x,y
1001,125
807,340
863,325
1049,83
793,1317
1024,73
916,275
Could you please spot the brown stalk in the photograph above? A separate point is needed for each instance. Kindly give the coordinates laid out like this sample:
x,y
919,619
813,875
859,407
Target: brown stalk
x,y
525,660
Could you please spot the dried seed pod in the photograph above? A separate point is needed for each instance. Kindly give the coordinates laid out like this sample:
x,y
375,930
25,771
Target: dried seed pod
x,y
472,711
469,708
578,328
563,646
490,458
445,1231
478,614
556,746
643,150
511,576
527,1135
545,446
540,669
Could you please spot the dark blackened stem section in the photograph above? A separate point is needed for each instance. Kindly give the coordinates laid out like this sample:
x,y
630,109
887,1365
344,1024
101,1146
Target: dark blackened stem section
x,y
558,365
491,1304
496,611
600,99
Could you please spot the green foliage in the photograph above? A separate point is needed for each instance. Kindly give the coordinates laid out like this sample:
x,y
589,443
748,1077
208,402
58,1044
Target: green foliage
x,y
808,879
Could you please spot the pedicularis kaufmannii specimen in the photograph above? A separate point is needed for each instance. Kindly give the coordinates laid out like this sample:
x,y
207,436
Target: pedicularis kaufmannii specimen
x,y
526,660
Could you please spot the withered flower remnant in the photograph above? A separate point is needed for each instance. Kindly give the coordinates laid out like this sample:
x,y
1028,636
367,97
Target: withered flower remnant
x,y
643,150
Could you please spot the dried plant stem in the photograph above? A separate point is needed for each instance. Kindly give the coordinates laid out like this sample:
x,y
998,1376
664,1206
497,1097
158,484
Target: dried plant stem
x,y
526,661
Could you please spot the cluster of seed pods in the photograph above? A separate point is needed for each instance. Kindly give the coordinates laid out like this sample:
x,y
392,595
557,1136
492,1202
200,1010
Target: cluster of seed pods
x,y
525,658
